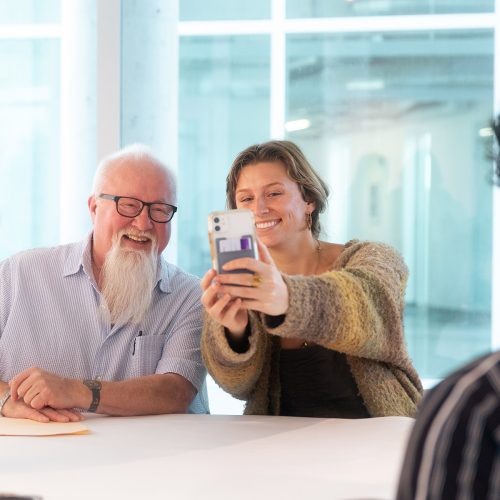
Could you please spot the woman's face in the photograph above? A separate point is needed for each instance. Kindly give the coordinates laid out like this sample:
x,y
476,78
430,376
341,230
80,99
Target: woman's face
x,y
275,199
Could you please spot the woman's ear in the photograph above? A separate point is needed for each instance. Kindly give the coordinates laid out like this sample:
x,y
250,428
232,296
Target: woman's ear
x,y
311,206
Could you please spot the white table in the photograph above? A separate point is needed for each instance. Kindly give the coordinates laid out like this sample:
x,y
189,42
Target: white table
x,y
210,457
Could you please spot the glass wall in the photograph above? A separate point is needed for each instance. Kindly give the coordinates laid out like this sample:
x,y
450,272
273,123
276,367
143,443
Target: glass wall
x,y
352,8
223,107
29,143
30,12
220,10
395,121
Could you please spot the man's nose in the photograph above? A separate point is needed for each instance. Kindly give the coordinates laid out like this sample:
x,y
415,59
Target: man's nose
x,y
142,221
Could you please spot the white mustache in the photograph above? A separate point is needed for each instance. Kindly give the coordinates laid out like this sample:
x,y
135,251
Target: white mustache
x,y
136,234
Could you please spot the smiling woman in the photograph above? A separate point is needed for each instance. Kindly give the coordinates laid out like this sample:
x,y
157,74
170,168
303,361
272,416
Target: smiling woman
x,y
320,332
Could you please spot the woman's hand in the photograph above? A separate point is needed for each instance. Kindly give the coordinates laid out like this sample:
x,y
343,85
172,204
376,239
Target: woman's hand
x,y
264,291
223,308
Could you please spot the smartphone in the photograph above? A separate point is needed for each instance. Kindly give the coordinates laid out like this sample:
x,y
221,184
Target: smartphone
x,y
232,235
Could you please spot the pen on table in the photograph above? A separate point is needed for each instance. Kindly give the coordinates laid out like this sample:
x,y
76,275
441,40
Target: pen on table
x,y
139,335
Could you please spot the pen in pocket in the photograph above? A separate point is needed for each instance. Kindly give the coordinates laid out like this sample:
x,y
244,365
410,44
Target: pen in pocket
x,y
139,335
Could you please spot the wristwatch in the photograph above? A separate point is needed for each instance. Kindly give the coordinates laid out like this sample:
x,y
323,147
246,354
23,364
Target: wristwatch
x,y
95,387
5,397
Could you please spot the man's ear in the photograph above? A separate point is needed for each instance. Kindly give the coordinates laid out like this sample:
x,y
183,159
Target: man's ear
x,y
92,204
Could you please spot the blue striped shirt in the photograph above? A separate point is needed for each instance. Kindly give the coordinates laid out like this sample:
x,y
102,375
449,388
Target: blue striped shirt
x,y
50,318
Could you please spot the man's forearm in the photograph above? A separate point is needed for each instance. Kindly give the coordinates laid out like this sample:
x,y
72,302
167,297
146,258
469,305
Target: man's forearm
x,y
149,395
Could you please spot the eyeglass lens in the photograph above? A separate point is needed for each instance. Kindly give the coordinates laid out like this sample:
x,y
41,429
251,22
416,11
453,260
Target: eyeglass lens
x,y
159,212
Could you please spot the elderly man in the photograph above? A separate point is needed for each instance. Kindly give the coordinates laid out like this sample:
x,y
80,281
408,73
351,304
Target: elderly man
x,y
105,325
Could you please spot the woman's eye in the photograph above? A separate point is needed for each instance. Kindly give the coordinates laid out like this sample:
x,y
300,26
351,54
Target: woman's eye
x,y
275,193
245,200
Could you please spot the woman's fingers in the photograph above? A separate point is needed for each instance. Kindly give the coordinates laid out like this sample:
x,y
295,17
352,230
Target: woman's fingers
x,y
231,279
207,279
245,263
219,308
264,254
243,292
216,311
209,296
229,312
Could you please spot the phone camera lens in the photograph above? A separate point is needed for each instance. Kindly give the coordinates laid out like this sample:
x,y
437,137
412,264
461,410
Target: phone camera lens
x,y
217,228
216,220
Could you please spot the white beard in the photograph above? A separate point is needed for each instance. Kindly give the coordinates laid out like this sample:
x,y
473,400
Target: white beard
x,y
128,280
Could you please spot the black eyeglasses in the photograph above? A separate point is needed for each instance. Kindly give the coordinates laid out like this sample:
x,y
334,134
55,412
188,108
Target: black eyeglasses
x,y
132,207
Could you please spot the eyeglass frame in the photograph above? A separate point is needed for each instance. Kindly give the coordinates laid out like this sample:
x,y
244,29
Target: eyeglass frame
x,y
116,199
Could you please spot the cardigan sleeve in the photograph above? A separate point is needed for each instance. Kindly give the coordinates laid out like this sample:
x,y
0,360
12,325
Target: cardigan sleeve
x,y
356,308
236,373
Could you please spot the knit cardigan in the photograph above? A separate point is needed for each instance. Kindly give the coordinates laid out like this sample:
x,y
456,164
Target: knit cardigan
x,y
355,308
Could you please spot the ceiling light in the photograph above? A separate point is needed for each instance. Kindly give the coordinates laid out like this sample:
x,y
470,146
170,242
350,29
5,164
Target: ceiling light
x,y
485,132
365,85
294,125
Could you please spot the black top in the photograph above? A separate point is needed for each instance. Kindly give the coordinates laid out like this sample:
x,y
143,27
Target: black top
x,y
317,382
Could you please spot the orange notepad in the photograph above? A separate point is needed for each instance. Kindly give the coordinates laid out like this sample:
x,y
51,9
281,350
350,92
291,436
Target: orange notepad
x,y
25,427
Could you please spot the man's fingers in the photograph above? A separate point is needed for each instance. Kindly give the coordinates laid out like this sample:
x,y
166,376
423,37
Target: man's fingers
x,y
73,415
36,415
14,385
35,400
54,415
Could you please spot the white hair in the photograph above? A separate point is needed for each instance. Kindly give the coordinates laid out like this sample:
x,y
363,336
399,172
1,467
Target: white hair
x,y
136,152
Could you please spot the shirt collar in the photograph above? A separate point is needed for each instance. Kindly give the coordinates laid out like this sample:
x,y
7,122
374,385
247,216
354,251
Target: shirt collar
x,y
163,275
80,257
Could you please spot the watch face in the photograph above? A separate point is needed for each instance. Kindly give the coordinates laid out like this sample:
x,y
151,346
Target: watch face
x,y
92,384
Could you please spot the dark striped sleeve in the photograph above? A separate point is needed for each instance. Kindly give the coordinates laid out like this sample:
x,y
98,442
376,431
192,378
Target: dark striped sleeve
x,y
454,448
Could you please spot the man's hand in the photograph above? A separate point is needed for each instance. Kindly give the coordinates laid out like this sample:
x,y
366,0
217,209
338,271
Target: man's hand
x,y
19,409
39,389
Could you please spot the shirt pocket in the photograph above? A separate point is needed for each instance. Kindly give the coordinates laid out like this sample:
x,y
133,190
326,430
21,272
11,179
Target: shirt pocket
x,y
147,352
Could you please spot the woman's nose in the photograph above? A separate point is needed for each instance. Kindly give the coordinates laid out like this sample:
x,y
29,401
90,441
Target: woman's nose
x,y
261,205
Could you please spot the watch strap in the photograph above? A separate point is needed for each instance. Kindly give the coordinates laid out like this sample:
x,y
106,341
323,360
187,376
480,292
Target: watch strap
x,y
3,399
95,387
